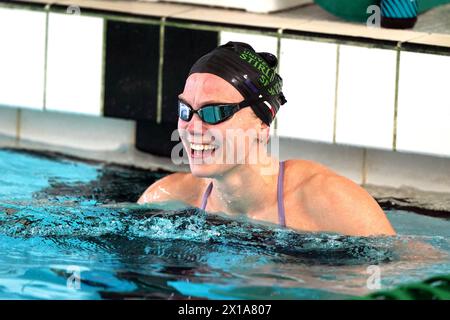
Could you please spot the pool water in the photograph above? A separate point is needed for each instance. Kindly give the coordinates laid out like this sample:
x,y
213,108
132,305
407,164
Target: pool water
x,y
70,229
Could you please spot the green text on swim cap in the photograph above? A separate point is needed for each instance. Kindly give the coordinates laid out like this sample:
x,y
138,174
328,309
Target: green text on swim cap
x,y
258,63
267,73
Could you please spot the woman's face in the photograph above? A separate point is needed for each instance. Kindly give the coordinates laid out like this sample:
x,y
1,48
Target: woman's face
x,y
225,145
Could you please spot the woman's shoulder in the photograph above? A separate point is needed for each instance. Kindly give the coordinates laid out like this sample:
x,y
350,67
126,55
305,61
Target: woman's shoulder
x,y
304,178
303,171
332,202
176,186
307,179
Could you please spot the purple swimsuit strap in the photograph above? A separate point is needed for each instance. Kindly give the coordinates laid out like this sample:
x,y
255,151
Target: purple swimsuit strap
x,y
205,196
281,213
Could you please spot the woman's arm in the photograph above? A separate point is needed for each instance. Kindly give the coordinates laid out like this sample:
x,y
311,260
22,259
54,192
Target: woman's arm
x,y
176,188
337,204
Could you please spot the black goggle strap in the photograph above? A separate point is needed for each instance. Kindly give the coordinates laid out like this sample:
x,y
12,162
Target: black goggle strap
x,y
265,101
249,102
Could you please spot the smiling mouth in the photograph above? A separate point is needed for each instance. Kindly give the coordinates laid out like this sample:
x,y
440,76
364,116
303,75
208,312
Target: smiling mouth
x,y
202,150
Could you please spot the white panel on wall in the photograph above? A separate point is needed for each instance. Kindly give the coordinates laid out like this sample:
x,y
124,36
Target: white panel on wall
x,y
260,43
423,123
76,130
308,70
8,121
366,97
74,64
22,54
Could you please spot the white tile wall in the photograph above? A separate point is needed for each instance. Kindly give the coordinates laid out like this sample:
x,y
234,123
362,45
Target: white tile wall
x,y
308,70
22,54
8,121
366,97
424,104
260,43
76,130
75,46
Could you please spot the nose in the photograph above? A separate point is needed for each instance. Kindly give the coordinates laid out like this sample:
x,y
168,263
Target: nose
x,y
196,127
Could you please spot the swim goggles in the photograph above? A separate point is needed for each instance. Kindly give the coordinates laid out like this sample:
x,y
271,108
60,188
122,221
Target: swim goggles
x,y
212,113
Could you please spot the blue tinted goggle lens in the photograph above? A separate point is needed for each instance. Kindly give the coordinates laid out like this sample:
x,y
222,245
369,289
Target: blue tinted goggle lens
x,y
210,114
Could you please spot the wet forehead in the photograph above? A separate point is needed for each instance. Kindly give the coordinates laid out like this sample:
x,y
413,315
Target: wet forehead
x,y
203,88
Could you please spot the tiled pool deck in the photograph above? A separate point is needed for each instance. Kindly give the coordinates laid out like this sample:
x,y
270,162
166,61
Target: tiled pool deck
x,y
433,27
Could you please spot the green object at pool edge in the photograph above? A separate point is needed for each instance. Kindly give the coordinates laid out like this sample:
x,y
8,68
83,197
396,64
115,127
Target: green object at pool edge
x,y
434,288
356,10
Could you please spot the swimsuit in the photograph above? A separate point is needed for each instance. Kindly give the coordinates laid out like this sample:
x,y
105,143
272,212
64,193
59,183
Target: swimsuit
x,y
281,213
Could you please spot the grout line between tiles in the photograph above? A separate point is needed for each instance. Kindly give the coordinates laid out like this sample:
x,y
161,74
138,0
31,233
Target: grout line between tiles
x,y
159,99
279,34
18,125
44,98
336,91
103,70
364,167
397,78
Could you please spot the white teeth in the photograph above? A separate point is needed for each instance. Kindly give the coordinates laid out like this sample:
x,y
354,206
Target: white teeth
x,y
200,147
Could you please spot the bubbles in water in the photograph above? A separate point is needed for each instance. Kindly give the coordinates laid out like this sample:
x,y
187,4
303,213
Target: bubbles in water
x,y
62,213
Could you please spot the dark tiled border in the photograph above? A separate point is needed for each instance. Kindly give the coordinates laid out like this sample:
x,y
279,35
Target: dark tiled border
x,y
182,47
425,48
342,39
261,29
131,70
155,138
215,26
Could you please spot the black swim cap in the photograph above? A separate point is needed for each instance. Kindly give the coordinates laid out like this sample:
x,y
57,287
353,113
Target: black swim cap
x,y
252,73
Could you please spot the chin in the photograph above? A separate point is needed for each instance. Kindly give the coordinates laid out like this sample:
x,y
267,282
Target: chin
x,y
207,170
204,170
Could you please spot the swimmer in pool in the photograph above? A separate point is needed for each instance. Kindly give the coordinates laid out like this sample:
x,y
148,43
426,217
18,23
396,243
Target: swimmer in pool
x,y
234,89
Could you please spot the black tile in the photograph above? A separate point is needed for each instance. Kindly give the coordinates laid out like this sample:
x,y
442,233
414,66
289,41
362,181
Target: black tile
x,y
155,138
182,47
131,70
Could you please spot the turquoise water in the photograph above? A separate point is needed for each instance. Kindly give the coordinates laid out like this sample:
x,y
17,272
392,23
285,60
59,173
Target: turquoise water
x,y
70,230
